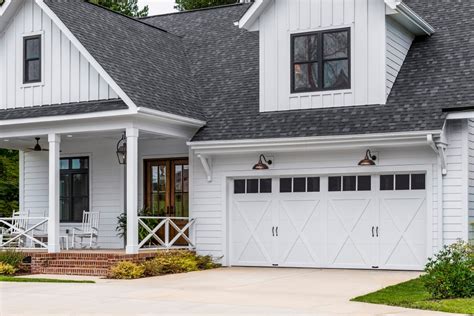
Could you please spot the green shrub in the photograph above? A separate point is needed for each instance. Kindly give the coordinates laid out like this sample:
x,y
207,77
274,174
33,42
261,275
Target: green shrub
x,y
450,274
7,269
12,258
126,270
171,262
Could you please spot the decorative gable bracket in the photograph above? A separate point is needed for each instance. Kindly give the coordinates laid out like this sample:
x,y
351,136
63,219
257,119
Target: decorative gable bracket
x,y
206,164
439,148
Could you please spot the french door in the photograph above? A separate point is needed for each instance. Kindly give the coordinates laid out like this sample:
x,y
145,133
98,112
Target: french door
x,y
167,187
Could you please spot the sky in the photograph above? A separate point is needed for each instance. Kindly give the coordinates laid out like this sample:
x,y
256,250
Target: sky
x,y
158,6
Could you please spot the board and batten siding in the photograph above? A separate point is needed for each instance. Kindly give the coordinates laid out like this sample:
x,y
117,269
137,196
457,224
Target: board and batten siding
x,y
456,183
282,18
209,205
398,43
471,178
66,75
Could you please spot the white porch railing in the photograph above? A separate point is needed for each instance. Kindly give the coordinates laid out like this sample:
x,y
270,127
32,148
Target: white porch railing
x,y
165,232
23,232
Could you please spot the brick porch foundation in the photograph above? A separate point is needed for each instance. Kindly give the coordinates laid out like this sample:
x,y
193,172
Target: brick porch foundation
x,y
89,263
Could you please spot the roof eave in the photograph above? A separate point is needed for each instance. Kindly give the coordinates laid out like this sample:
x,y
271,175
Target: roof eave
x,y
252,14
409,18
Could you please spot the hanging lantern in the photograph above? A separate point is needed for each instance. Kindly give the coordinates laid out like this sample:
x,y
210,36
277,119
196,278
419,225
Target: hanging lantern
x,y
122,150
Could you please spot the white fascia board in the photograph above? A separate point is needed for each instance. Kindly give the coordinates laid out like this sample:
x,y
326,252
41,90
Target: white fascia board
x,y
312,143
172,117
86,54
5,6
409,18
461,115
253,13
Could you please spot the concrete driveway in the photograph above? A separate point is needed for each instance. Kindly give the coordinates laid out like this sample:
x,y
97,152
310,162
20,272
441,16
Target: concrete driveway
x,y
227,291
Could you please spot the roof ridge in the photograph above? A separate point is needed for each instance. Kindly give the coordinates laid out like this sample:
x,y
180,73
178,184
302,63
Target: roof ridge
x,y
195,10
130,18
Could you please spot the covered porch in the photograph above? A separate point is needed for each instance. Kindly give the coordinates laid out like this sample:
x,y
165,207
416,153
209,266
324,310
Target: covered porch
x,y
118,182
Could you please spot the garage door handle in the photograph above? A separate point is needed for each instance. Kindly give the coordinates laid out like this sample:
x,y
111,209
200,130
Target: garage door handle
x,y
373,231
273,231
377,231
277,231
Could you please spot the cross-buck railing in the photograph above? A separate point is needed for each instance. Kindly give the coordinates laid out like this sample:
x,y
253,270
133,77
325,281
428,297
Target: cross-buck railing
x,y
165,232
19,232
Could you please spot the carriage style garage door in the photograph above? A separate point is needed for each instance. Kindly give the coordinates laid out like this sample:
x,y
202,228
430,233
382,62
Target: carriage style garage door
x,y
372,221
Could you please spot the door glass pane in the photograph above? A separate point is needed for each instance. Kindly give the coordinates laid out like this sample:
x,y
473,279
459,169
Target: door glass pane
x,y
334,184
178,178
185,205
265,185
162,178
364,183
161,204
154,190
64,165
178,205
402,182
76,164
79,205
285,185
80,185
185,178
252,186
299,185
418,182
386,182
349,183
65,212
313,184
239,186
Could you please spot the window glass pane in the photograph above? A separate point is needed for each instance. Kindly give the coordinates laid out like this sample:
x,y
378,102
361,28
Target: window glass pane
x,y
334,184
335,45
178,178
299,185
252,186
349,183
85,163
239,186
76,164
418,182
33,70
336,74
33,48
364,183
305,48
402,182
64,164
285,185
306,76
386,182
265,185
313,184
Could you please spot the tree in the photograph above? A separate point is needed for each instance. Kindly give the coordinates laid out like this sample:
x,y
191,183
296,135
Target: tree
x,y
183,5
127,7
9,182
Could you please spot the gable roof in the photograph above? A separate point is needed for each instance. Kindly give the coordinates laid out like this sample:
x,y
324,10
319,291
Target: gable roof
x,y
436,75
149,64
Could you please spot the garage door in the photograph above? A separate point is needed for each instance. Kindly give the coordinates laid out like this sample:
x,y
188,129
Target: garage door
x,y
365,221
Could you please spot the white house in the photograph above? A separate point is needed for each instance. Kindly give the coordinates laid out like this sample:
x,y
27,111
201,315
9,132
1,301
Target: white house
x,y
307,88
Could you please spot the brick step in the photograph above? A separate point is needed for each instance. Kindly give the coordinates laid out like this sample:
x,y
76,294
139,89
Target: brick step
x,y
73,271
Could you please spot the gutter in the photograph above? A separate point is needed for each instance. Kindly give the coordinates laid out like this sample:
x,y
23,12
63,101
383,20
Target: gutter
x,y
409,17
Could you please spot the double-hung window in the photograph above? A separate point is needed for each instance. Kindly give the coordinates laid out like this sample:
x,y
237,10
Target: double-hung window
x,y
320,61
32,59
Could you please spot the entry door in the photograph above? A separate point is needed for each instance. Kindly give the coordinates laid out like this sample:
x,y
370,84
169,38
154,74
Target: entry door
x,y
167,192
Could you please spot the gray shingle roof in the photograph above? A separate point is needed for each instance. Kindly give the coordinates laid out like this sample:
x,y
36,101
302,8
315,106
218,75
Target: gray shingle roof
x,y
63,109
149,64
438,73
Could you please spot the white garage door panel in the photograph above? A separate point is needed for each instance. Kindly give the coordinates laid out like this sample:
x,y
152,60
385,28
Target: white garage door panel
x,y
402,230
350,222
347,229
252,220
301,230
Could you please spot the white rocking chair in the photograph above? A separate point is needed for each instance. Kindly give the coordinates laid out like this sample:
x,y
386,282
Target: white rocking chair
x,y
89,229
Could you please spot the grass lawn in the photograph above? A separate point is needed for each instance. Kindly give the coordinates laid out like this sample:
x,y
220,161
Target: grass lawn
x,y
412,294
4,278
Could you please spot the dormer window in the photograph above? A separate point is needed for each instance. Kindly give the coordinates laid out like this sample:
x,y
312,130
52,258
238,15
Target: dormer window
x,y
32,59
320,61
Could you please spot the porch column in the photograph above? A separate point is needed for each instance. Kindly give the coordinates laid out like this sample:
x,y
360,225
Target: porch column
x,y
132,190
53,220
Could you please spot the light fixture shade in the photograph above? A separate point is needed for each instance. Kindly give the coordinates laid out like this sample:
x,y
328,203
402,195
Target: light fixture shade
x,y
261,165
122,150
37,146
368,159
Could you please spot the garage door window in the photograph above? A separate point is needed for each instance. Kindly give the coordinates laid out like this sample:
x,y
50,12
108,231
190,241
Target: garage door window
x,y
349,183
252,186
402,182
299,185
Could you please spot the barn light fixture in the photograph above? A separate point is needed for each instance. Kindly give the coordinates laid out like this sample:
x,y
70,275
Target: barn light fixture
x,y
369,159
122,150
261,165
